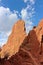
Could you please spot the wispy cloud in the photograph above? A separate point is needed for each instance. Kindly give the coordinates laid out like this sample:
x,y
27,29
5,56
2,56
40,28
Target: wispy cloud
x,y
31,1
8,18
27,14
25,1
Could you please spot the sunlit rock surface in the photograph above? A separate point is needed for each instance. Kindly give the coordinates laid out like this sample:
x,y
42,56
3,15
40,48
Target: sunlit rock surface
x,y
23,49
15,39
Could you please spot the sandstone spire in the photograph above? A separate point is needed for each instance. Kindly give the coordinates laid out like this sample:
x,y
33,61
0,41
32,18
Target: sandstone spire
x,y
15,39
39,34
39,30
23,49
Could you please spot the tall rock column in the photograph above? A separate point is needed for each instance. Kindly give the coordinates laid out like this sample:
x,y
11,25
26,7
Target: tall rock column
x,y
15,39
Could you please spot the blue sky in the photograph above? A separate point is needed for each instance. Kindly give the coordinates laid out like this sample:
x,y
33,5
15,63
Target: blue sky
x,y
12,10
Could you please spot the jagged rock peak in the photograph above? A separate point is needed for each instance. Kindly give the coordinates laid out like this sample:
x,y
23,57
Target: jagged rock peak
x,y
41,23
39,30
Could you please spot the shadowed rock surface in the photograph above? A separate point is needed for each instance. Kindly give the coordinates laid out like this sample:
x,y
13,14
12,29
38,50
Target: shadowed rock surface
x,y
30,51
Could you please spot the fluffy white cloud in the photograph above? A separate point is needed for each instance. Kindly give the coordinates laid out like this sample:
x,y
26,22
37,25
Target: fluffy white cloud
x,y
3,38
7,19
3,41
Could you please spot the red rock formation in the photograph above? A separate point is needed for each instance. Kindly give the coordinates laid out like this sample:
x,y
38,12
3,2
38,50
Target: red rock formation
x,y
39,30
30,48
39,34
15,39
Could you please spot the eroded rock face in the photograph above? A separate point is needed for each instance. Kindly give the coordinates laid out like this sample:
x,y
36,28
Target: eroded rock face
x,y
39,30
27,52
28,47
15,39
31,43
39,34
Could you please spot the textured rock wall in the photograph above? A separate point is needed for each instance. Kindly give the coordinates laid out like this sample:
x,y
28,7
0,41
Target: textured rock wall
x,y
15,39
